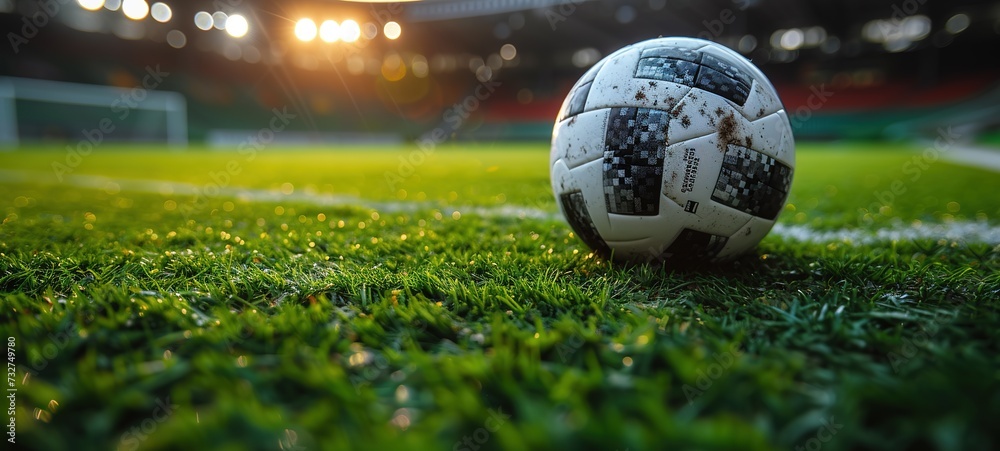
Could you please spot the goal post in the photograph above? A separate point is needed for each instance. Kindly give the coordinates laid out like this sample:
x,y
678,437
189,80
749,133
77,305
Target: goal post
x,y
42,110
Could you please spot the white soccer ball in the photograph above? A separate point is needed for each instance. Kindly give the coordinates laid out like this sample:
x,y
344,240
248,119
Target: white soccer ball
x,y
676,149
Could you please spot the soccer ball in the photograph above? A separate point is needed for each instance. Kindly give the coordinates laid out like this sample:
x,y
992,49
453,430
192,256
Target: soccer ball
x,y
674,149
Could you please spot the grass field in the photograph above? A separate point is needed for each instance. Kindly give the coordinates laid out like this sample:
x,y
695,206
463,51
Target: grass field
x,y
336,300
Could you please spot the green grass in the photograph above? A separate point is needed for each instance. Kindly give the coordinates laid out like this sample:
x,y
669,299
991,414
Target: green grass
x,y
384,321
992,138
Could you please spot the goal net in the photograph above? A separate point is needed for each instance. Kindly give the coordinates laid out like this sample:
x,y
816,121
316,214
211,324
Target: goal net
x,y
44,111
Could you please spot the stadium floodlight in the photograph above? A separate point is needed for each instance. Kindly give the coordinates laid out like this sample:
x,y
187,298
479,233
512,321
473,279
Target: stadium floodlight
x,y
112,5
32,109
392,30
237,26
91,5
350,31
135,9
329,31
305,30
161,12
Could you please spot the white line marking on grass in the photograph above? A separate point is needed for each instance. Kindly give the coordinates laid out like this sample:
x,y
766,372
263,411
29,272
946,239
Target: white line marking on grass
x,y
264,195
168,188
957,231
976,157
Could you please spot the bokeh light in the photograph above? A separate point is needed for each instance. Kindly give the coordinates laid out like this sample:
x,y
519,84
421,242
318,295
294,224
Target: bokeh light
x,y
176,39
392,30
792,39
494,61
237,26
356,64
203,20
161,12
305,30
393,68
586,57
135,9
369,31
525,96
232,51
419,66
350,31
219,19
625,14
484,74
91,5
508,52
329,31
957,23
251,55
747,44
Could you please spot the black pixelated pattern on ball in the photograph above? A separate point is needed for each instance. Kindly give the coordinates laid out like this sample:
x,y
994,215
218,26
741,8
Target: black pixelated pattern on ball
x,y
635,146
695,245
752,182
697,70
666,69
575,209
578,100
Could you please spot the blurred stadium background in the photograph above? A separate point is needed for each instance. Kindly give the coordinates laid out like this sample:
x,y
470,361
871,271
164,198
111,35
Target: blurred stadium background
x,y
478,69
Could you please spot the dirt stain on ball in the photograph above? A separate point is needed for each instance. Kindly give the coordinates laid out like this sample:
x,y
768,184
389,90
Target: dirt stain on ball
x,y
727,132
